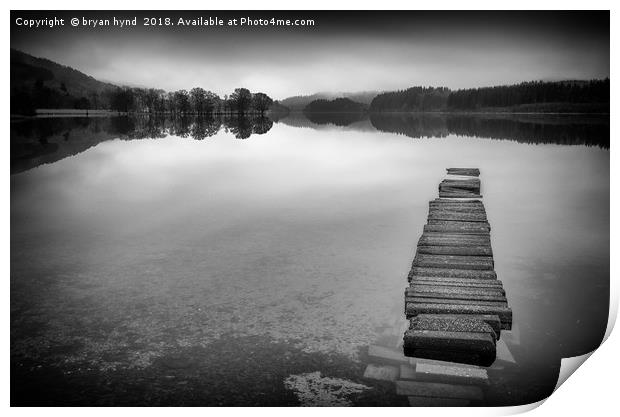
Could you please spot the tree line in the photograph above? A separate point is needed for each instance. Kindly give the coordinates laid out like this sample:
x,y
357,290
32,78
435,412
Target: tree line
x,y
195,101
562,96
26,99
535,92
416,99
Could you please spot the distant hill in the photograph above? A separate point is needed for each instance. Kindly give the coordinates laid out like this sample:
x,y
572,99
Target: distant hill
x,y
26,69
277,111
298,103
41,83
339,105
339,112
414,99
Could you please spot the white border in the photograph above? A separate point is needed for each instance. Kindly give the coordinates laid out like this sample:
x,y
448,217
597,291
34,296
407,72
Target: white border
x,y
591,391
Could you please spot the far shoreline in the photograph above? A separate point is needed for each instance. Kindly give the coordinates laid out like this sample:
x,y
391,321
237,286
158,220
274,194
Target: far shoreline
x,y
59,113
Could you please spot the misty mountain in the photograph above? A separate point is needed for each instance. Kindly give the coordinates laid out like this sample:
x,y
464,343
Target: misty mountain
x,y
298,103
339,105
40,83
27,69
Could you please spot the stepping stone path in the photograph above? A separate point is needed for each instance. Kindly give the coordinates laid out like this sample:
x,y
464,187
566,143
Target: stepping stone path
x,y
456,306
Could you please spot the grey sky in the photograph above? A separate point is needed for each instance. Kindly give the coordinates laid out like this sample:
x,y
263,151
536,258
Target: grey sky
x,y
343,52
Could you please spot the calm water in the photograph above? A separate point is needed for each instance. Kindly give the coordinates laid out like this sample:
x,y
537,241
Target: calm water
x,y
149,267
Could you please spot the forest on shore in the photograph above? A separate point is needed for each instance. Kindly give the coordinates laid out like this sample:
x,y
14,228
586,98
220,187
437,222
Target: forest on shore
x,y
536,96
38,83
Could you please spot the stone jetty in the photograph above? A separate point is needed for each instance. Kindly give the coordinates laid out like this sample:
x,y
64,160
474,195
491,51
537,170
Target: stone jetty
x,y
455,304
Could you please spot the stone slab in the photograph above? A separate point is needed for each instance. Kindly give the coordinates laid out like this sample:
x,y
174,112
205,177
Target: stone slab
x,y
452,374
452,273
381,372
386,354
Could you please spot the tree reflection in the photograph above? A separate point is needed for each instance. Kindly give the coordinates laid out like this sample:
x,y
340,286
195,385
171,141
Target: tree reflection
x,y
261,125
37,141
239,126
583,129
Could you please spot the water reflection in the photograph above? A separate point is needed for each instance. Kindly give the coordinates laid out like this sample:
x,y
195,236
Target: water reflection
x,y
45,140
590,130
337,119
173,272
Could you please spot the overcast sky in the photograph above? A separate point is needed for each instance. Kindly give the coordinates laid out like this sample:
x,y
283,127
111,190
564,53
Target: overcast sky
x,y
344,51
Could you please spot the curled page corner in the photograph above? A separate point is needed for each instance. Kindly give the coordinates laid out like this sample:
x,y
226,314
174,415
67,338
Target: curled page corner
x,y
570,365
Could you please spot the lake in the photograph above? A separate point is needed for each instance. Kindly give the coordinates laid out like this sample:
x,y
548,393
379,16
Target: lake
x,y
254,261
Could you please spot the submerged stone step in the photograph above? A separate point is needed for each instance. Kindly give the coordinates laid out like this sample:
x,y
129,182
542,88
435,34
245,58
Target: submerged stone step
x,y
407,372
463,336
451,374
386,354
414,361
417,401
439,390
504,354
465,347
381,372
